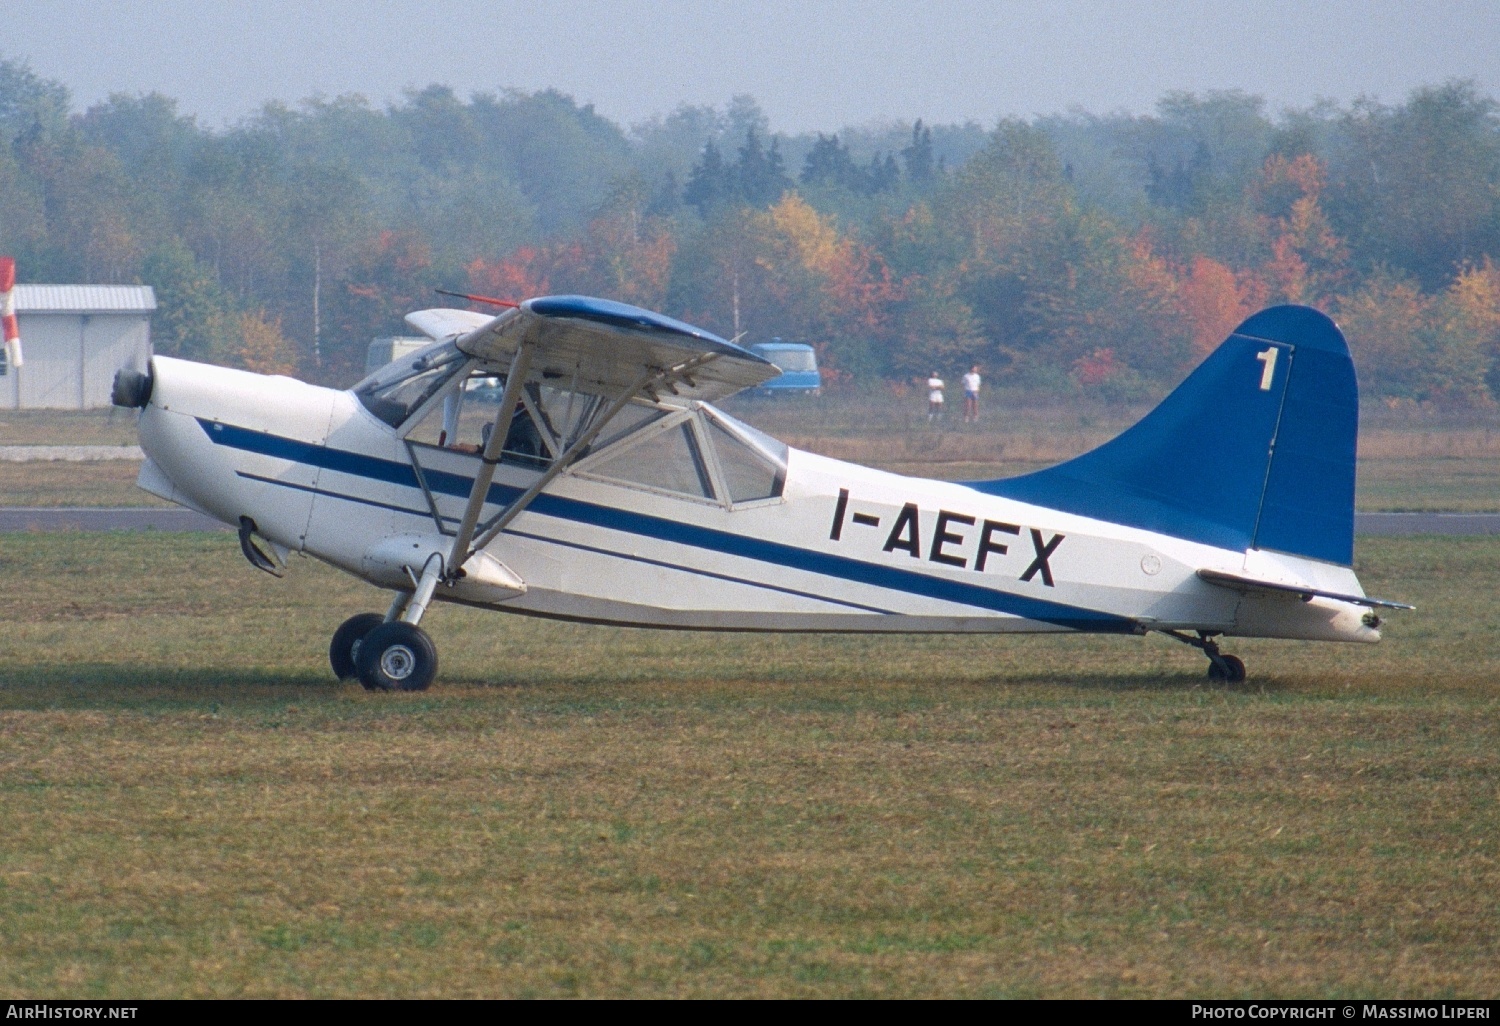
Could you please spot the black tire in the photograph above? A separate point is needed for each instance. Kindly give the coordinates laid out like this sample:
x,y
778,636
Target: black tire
x,y
346,639
396,656
1235,667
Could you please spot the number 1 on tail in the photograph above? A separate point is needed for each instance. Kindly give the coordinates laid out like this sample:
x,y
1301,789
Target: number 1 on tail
x,y
1268,359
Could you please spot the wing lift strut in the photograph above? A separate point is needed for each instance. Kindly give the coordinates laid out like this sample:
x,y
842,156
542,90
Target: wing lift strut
x,y
472,535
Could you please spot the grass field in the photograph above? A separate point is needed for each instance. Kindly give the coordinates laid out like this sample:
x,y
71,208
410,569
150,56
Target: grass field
x,y
66,427
192,807
60,483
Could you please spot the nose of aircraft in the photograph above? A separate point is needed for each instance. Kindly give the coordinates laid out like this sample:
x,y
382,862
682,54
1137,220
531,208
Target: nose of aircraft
x,y
230,443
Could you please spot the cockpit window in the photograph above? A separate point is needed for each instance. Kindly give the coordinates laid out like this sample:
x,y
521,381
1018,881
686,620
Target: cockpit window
x,y
398,390
748,474
667,460
772,449
631,418
700,453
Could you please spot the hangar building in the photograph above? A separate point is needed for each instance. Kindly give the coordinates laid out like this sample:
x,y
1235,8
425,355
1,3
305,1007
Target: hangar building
x,y
73,339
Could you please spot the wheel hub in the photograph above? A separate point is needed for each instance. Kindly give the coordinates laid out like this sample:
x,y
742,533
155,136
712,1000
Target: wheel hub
x,y
398,662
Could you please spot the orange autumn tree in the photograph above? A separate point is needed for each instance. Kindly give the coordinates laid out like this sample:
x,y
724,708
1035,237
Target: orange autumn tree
x,y
1215,301
516,277
261,347
390,275
529,271
1307,261
1469,320
629,258
1106,290
828,288
1387,322
1408,345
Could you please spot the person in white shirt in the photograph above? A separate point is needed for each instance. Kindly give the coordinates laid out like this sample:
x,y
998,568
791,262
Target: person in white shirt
x,y
971,396
934,397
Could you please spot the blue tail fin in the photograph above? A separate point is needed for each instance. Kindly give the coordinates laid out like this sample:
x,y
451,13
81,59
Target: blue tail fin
x,y
1254,450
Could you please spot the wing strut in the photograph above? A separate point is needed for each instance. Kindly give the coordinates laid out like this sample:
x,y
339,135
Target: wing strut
x,y
515,380
648,383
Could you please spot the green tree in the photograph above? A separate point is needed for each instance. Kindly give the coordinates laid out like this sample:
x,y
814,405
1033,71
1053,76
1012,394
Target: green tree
x,y
920,169
1418,188
761,172
829,163
30,103
194,317
565,158
712,182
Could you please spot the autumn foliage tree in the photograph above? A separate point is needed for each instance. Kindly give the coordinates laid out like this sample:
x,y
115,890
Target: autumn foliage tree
x,y
261,347
1030,247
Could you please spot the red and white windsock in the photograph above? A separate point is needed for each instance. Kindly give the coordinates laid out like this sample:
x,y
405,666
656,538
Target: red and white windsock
x,y
8,310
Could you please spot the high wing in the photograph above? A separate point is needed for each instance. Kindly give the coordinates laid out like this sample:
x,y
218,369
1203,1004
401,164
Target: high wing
x,y
615,351
600,346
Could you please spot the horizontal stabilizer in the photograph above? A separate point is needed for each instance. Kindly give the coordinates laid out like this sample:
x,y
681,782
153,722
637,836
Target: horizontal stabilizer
x,y
1240,583
602,346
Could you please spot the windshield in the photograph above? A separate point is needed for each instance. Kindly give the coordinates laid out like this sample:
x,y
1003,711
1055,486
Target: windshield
x,y
399,389
772,449
792,359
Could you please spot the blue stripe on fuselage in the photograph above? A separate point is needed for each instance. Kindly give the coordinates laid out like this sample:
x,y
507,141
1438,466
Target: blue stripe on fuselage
x,y
727,542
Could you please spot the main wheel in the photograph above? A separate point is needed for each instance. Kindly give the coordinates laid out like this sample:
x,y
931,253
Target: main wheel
x,y
346,642
1235,666
396,656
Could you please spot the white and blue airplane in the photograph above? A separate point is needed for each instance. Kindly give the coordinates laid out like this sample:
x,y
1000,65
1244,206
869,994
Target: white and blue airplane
x,y
563,459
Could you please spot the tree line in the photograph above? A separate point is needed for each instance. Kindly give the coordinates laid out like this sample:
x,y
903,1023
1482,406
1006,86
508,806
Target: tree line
x,y
1064,254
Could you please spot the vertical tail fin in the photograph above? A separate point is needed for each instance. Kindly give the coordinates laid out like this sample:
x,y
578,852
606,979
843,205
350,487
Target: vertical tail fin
x,y
1254,450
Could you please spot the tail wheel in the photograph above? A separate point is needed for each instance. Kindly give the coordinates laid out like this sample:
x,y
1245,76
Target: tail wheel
x,y
396,656
1232,670
346,643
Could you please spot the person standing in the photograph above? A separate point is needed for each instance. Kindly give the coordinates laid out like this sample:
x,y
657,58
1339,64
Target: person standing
x,y
934,397
971,395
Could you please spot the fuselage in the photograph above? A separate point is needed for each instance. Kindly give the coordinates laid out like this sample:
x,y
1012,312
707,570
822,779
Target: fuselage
x,y
833,547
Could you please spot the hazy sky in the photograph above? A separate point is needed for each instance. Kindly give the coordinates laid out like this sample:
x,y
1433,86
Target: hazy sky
x,y
812,64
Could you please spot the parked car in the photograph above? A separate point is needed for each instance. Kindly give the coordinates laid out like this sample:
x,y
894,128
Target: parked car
x,y
799,368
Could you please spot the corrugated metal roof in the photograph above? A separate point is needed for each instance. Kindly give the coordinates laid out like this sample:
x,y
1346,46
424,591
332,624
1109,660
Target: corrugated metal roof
x,y
82,299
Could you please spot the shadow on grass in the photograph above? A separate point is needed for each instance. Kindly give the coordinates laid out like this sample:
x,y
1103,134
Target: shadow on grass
x,y
93,685
784,682
1155,682
101,686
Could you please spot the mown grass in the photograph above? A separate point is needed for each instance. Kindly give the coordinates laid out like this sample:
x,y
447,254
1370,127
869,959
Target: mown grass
x,y
1464,484
110,426
191,807
62,483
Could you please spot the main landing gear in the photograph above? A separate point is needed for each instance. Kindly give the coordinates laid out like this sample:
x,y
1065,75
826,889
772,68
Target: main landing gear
x,y
395,656
1227,669
390,652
